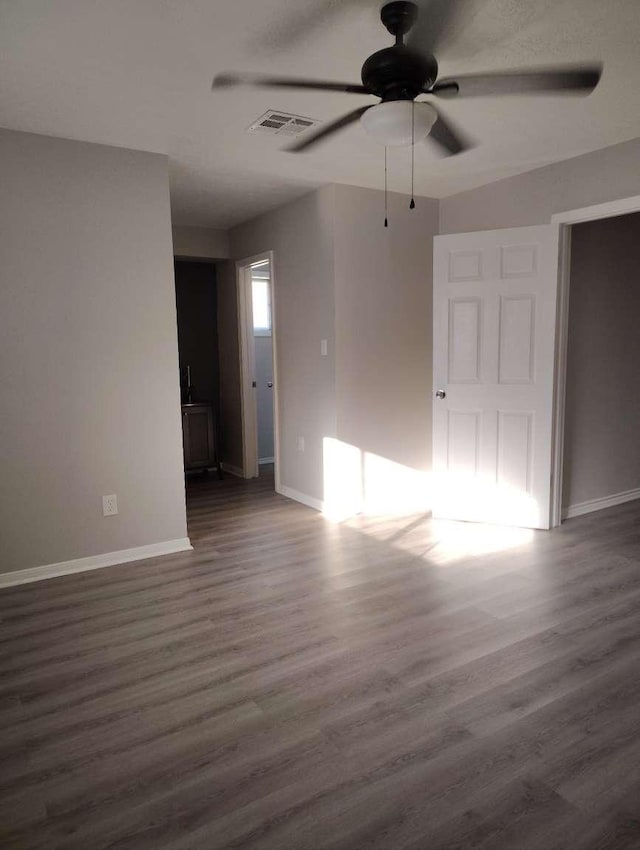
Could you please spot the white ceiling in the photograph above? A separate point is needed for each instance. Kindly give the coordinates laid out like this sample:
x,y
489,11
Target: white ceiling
x,y
138,74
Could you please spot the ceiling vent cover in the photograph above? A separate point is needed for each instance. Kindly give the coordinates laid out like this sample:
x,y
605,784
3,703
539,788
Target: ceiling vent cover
x,y
281,124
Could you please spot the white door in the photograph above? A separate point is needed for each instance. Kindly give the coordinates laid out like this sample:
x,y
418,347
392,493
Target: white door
x,y
494,339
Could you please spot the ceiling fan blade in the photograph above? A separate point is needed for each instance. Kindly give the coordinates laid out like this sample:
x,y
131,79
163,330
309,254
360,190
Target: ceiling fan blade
x,y
266,80
450,139
561,80
328,130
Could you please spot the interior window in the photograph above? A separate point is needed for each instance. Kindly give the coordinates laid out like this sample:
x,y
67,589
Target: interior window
x,y
261,300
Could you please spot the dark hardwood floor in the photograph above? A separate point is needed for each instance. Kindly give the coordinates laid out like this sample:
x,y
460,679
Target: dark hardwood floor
x,y
295,684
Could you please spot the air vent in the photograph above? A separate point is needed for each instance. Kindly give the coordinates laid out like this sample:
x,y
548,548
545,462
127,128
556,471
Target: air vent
x,y
281,124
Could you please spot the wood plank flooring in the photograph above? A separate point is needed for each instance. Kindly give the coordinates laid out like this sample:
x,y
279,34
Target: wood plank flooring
x,y
294,684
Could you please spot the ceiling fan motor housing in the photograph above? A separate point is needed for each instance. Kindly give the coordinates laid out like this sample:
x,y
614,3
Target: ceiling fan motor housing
x,y
399,73
399,16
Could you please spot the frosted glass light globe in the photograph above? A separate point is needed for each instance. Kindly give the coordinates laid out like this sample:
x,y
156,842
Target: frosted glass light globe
x,y
390,123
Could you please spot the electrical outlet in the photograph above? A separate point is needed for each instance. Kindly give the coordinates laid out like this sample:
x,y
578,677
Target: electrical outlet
x,y
109,505
300,444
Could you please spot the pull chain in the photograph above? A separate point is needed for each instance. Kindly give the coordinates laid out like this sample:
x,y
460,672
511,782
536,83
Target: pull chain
x,y
386,221
412,204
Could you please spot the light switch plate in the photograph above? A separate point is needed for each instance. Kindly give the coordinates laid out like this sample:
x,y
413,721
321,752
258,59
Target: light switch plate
x,y
323,347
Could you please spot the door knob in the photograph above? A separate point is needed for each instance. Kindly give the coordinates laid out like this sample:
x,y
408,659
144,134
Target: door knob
x,y
269,383
440,394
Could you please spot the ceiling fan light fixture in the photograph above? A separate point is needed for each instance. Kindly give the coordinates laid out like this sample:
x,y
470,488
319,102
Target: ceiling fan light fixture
x,y
399,122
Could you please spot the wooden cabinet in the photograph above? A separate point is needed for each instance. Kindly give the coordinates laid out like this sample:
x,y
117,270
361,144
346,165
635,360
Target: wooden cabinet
x,y
199,437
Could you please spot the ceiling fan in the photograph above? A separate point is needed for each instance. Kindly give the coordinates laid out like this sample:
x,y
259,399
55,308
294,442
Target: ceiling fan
x,y
405,71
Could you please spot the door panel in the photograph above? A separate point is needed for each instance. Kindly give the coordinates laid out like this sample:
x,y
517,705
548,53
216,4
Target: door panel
x,y
517,339
463,447
199,448
514,450
464,340
494,335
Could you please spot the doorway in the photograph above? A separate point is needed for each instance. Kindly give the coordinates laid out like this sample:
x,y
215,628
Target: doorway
x,y
257,334
601,452
566,221
198,354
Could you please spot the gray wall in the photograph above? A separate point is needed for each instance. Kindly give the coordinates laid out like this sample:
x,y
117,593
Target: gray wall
x,y
602,437
203,243
88,352
367,290
384,298
532,198
302,236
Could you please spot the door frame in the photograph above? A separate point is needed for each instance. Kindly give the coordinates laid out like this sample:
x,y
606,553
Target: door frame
x,y
565,220
248,398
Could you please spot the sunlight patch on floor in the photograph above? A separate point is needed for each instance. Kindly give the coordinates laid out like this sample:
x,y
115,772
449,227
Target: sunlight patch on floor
x,y
437,541
391,503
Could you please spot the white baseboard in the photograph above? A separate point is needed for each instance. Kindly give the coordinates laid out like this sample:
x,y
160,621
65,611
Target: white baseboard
x,y
95,562
266,460
599,504
232,470
297,496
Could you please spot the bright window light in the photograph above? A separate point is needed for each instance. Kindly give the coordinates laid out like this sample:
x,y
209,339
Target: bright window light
x,y
261,306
